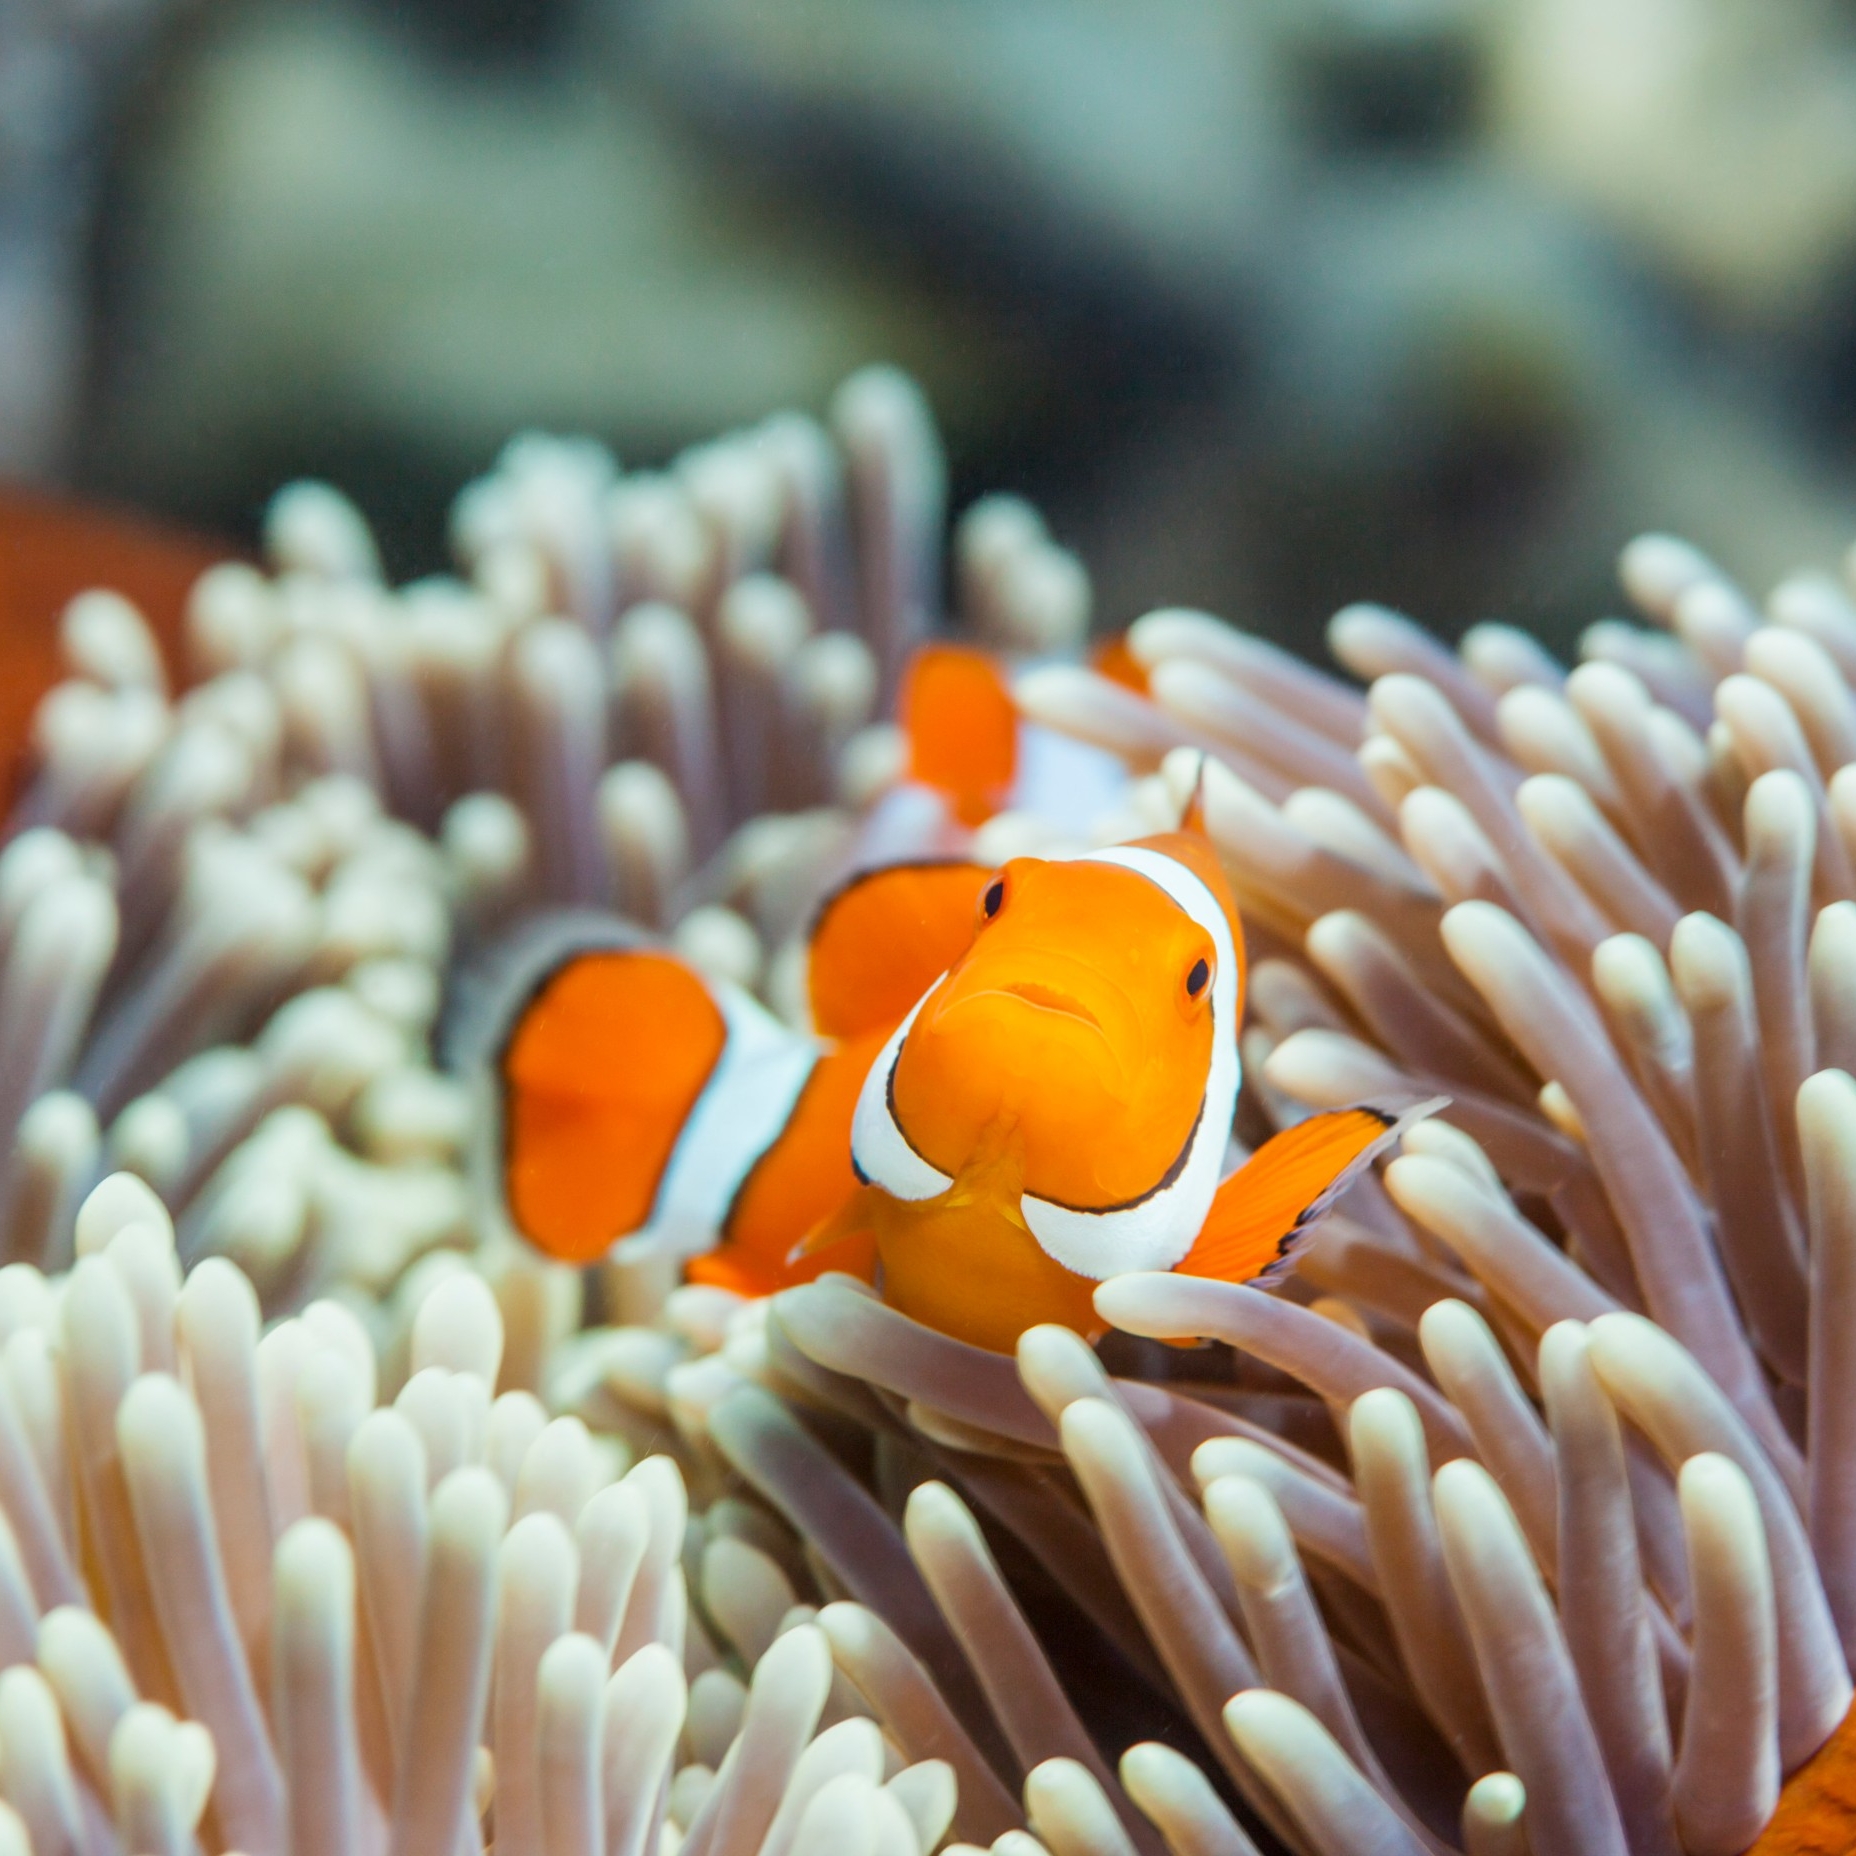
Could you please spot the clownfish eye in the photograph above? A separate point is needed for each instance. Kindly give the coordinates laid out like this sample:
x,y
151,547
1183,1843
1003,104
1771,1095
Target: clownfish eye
x,y
994,898
1198,979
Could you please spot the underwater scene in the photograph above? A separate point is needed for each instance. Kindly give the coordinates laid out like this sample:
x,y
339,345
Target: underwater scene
x,y
707,1188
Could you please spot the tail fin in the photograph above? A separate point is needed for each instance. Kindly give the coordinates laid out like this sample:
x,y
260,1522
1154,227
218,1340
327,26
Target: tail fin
x,y
1263,1211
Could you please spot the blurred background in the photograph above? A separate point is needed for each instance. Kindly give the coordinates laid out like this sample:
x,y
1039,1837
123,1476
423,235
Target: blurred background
x,y
1272,304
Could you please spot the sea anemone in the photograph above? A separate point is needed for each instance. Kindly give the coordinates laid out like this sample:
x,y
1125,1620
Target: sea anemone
x,y
1523,1515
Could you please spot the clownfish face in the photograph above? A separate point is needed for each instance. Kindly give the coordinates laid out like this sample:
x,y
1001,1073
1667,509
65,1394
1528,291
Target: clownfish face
x,y
1080,1017
1088,1034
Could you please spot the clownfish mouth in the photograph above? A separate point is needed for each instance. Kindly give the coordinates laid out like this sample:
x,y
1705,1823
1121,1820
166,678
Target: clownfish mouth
x,y
1048,999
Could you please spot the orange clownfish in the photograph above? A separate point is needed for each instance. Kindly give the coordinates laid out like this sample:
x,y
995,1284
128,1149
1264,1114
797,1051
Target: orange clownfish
x,y
1022,1081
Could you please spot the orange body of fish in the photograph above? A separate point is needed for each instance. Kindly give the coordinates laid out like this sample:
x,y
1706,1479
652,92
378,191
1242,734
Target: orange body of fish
x,y
1018,1082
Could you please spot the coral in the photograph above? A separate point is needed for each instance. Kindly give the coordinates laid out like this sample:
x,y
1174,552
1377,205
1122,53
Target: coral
x,y
1519,1517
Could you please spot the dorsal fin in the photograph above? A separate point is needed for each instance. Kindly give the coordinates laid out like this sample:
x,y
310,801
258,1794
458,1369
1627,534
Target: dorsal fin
x,y
882,939
1192,813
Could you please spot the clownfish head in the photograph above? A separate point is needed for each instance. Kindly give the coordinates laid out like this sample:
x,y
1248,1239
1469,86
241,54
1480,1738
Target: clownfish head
x,y
1090,1030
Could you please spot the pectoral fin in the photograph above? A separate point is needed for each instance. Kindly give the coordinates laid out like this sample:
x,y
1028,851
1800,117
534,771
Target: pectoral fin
x,y
1264,1209
854,1222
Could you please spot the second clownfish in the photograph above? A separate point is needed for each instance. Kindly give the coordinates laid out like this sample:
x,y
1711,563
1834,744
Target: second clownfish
x,y
1021,1081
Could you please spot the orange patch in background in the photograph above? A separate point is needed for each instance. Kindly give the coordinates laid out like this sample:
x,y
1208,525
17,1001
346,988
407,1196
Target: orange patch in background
x,y
1112,659
600,1074
962,726
884,939
1817,1808
52,549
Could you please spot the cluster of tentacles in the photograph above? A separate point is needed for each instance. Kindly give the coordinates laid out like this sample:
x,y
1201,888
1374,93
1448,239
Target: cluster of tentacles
x,y
1522,1516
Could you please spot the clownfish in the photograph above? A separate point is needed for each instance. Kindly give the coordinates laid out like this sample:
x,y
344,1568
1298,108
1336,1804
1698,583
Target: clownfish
x,y
1019,1081
970,747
